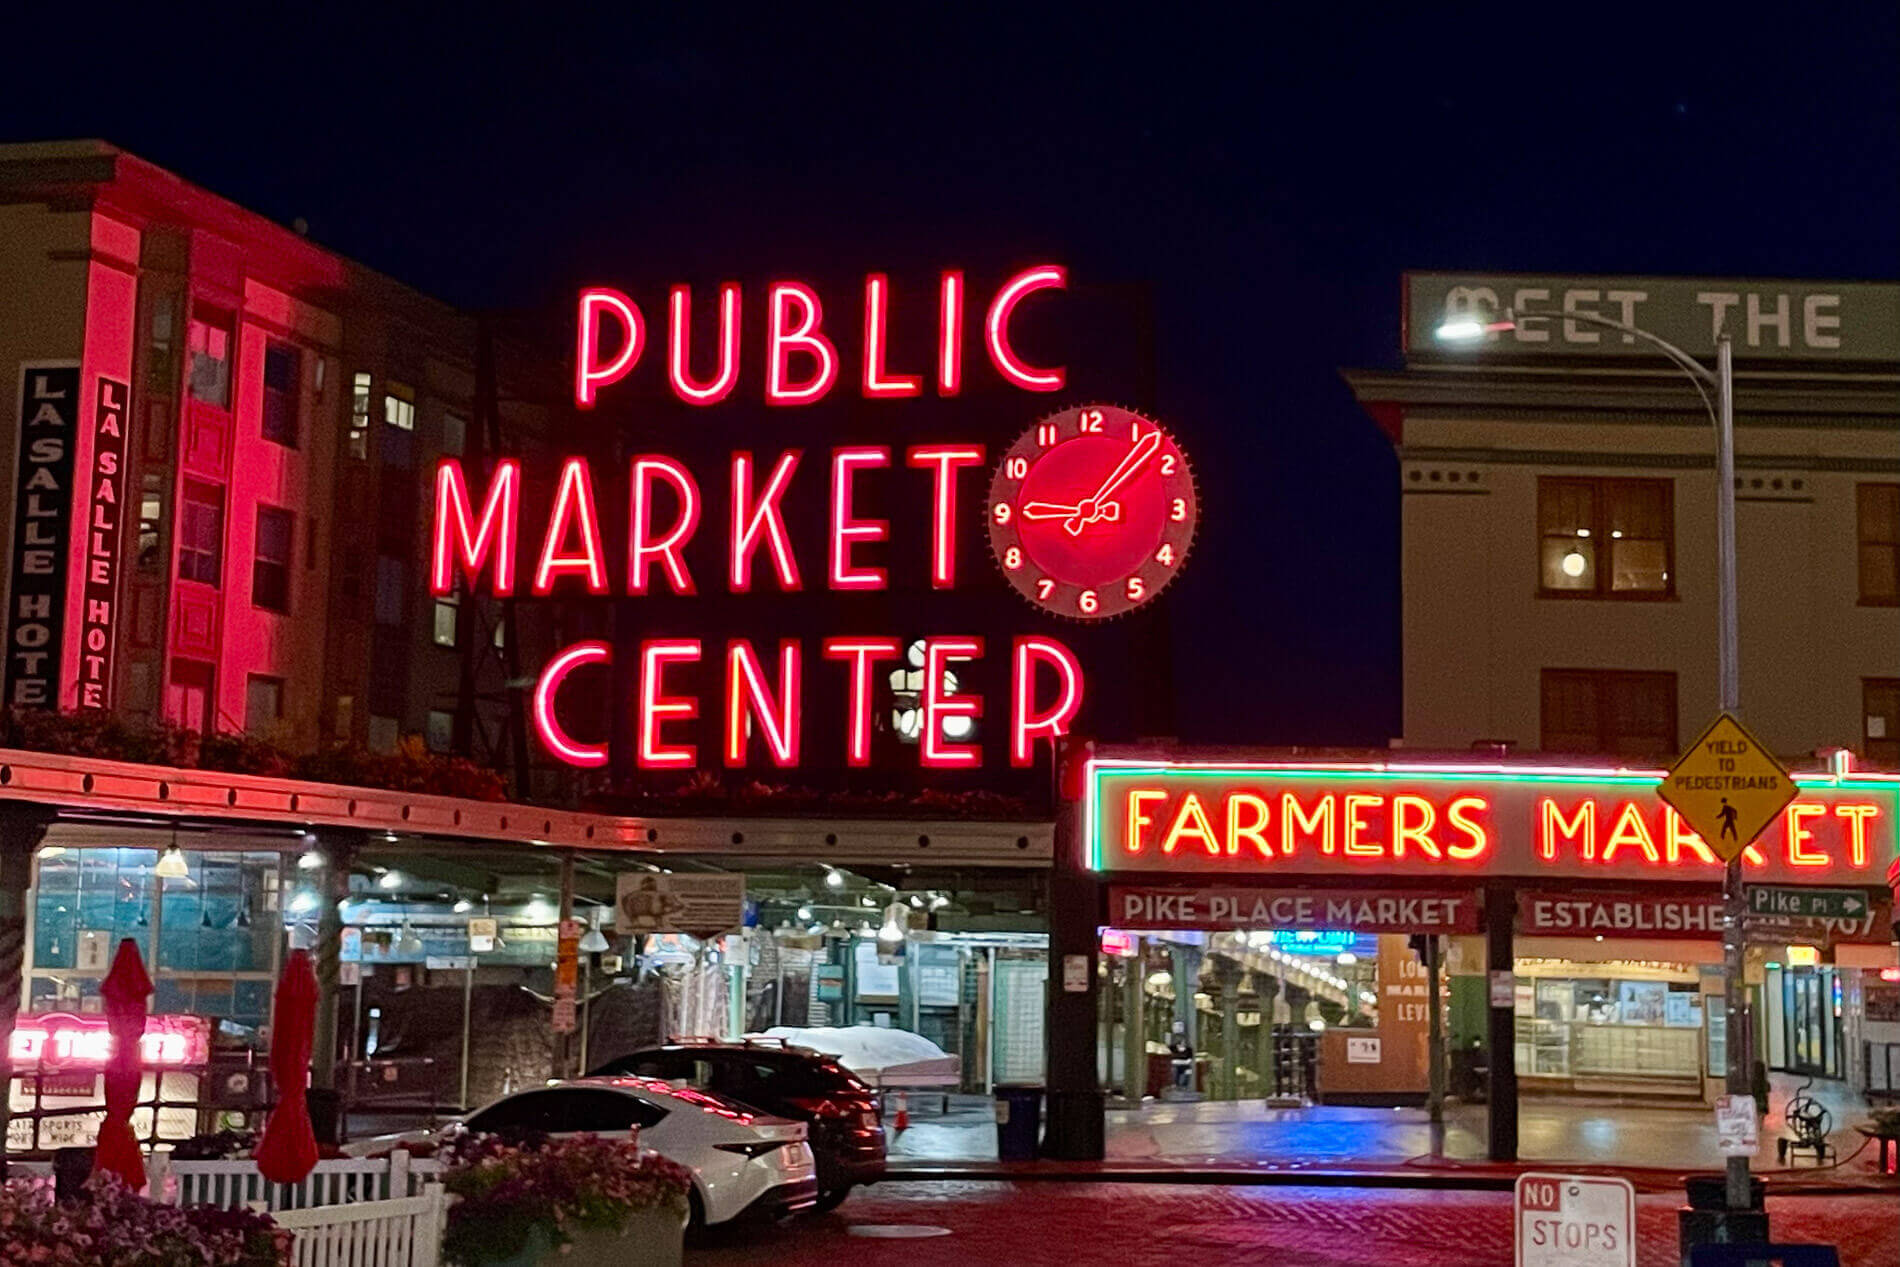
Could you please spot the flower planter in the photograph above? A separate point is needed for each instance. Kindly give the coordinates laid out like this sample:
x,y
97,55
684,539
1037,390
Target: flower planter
x,y
651,1238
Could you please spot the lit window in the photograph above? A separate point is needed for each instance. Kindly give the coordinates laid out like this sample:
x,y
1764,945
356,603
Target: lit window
x,y
151,525
210,349
1586,524
160,363
201,533
440,733
1879,532
282,367
359,416
399,425
383,733
270,571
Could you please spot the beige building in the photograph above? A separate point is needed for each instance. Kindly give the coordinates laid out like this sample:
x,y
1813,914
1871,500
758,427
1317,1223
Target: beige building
x,y
1558,515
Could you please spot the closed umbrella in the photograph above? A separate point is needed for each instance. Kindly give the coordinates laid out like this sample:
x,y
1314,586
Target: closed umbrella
x,y
288,1151
125,990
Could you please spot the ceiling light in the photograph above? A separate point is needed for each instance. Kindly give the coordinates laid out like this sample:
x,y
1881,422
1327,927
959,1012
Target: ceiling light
x,y
834,878
804,914
408,943
309,860
1574,563
895,929
390,880
464,906
938,901
593,942
171,864
917,901
305,900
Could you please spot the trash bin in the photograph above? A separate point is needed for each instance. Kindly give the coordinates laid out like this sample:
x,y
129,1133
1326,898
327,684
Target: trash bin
x,y
1018,1121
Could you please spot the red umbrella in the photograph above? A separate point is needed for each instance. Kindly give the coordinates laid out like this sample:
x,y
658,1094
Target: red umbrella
x,y
124,990
288,1150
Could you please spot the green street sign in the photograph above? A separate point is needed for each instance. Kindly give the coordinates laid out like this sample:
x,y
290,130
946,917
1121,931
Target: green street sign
x,y
1770,899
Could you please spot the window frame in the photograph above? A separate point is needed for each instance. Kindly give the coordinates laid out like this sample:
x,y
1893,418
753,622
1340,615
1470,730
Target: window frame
x,y
1601,488
217,320
1602,681
185,544
251,682
286,565
1887,756
1863,542
292,396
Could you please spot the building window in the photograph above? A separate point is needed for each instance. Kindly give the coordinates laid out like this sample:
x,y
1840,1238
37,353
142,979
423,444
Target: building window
x,y
907,710
151,525
389,590
454,435
383,733
189,699
263,704
1606,538
1609,713
210,349
160,364
1880,729
282,373
448,612
1879,514
270,572
359,416
201,533
399,425
440,734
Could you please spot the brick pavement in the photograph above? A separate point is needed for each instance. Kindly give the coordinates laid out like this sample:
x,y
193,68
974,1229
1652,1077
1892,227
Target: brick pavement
x,y
1135,1225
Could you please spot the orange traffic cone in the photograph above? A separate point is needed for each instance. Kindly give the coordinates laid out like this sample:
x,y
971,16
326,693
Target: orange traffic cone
x,y
901,1103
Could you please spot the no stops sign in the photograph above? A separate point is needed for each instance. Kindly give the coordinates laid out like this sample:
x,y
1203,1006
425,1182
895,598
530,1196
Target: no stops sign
x,y
1574,1221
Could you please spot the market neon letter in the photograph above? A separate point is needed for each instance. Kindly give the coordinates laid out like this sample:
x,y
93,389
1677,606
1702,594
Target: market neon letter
x,y
950,335
1138,816
1799,835
750,519
546,725
1460,813
679,367
657,707
783,338
943,460
1630,829
1551,824
495,534
862,653
1351,845
574,501
1677,837
847,529
590,374
746,691
1419,833
996,329
1191,820
1254,832
642,546
1857,817
1027,724
877,307
1294,820
938,703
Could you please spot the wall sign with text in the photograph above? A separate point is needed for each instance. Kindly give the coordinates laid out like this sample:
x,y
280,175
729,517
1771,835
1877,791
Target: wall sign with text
x,y
42,522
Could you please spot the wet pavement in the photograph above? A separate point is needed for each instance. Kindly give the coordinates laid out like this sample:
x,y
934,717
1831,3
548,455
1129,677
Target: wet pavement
x,y
1136,1225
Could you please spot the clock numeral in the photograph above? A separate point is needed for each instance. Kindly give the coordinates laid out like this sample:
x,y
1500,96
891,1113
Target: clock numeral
x,y
1016,468
1135,589
1134,430
1167,463
1044,588
1013,558
1087,601
1046,434
1178,510
1091,422
1000,512
1165,555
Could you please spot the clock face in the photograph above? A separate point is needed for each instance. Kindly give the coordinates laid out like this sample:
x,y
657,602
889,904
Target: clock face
x,y
1092,512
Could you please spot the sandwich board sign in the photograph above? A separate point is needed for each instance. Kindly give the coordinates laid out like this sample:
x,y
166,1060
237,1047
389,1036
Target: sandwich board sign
x,y
1574,1221
1728,787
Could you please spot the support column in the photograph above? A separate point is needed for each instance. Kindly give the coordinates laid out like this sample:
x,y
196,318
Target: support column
x,y
563,1044
22,827
1227,975
1075,917
1135,1027
1500,956
339,847
1435,1030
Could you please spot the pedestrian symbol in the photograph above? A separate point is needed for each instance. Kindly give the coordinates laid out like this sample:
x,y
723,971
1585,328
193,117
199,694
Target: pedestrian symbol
x,y
1728,788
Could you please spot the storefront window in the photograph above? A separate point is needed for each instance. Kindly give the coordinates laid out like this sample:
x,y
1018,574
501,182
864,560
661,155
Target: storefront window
x,y
1640,1023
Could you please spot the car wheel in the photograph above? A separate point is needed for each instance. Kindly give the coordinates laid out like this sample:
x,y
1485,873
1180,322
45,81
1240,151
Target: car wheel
x,y
831,1198
695,1213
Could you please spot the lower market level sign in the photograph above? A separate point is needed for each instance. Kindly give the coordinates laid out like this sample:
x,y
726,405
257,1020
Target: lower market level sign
x,y
1728,787
1803,903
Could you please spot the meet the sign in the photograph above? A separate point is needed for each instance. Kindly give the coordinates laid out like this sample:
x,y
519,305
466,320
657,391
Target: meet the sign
x,y
1264,819
1780,320
42,521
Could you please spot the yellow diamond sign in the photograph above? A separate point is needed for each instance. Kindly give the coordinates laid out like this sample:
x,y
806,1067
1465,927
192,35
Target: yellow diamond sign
x,y
1728,787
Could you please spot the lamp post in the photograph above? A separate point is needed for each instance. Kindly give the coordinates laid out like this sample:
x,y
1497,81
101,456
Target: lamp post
x,y
1721,407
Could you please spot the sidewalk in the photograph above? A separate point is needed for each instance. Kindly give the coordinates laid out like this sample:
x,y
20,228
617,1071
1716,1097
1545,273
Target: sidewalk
x,y
1241,1139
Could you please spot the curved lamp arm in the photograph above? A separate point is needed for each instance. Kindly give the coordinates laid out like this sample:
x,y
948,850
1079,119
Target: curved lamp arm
x,y
1699,374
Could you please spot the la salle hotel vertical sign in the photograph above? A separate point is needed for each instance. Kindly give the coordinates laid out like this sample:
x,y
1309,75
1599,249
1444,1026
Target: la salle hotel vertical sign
x,y
42,520
483,542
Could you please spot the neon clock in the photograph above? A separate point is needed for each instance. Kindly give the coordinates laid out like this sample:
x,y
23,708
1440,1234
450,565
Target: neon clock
x,y
1092,511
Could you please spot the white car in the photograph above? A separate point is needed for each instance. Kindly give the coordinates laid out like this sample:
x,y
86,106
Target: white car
x,y
743,1162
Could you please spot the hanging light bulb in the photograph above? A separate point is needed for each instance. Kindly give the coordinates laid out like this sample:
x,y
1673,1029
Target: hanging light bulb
x,y
1574,563
834,878
309,860
593,942
390,879
804,914
407,943
171,864
464,906
895,929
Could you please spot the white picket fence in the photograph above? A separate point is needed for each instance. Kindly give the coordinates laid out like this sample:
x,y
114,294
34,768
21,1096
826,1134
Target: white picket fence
x,y
404,1232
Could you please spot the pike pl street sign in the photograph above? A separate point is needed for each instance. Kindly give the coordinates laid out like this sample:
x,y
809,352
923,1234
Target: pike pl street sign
x,y
1728,787
1769,899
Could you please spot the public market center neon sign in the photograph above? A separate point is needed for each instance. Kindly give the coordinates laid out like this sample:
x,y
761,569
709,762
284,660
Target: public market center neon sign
x,y
1272,819
478,533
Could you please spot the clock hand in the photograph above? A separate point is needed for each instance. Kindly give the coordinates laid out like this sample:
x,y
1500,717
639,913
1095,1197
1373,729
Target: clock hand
x,y
1048,510
1097,508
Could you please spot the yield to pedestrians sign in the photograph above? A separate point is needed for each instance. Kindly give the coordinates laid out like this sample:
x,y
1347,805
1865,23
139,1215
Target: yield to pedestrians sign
x,y
1574,1221
1728,787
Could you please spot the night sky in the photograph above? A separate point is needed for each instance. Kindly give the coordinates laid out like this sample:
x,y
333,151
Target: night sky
x,y
1269,182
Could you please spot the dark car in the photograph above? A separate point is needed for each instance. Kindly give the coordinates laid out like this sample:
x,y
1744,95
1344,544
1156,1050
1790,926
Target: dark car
x,y
845,1120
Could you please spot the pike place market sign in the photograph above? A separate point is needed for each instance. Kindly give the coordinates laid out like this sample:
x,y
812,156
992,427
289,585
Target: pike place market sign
x,y
1275,820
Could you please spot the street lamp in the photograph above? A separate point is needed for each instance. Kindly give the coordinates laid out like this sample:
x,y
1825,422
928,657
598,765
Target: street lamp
x,y
1721,406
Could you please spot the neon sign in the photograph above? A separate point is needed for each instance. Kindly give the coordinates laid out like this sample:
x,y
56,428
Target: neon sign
x,y
1284,819
60,1040
486,539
